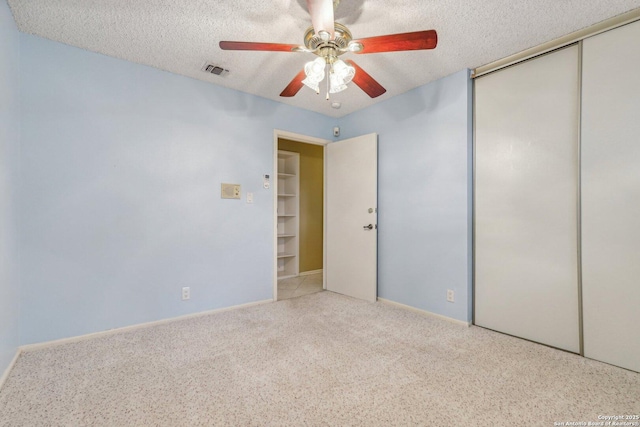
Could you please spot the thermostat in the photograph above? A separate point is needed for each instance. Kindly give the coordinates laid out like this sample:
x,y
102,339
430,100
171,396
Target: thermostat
x,y
230,191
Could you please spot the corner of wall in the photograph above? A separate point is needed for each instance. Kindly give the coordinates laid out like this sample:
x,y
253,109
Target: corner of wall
x,y
9,179
470,195
425,149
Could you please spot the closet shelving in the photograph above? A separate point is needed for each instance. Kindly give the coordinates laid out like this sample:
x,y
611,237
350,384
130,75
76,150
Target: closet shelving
x,y
288,213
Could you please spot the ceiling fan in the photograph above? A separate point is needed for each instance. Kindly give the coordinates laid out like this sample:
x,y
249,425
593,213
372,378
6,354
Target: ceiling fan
x,y
328,40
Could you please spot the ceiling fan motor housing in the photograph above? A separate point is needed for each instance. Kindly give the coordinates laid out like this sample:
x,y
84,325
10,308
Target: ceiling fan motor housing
x,y
329,49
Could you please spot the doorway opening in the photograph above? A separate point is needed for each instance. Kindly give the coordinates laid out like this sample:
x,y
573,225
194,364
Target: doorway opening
x,y
350,200
299,205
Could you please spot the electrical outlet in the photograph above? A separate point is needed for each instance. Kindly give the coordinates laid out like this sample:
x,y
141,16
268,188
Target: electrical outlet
x,y
450,295
186,293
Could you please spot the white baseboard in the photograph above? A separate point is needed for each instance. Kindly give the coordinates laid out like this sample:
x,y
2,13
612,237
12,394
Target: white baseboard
x,y
38,346
424,312
5,375
309,273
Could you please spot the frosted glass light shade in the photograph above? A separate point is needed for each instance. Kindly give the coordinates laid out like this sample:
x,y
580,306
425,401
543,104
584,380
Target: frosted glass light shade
x,y
341,75
315,73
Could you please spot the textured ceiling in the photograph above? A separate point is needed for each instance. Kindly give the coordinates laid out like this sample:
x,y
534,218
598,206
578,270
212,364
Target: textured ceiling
x,y
181,35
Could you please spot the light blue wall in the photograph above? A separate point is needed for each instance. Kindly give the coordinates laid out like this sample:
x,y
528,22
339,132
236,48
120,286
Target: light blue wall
x,y
424,194
9,171
120,206
122,166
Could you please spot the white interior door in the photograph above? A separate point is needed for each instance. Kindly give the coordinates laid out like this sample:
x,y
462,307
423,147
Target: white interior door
x,y
351,217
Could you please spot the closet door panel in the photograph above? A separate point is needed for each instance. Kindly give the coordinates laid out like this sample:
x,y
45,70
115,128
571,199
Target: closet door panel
x,y
526,182
611,197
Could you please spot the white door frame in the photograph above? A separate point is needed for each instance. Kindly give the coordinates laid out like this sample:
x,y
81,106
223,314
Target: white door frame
x,y
277,133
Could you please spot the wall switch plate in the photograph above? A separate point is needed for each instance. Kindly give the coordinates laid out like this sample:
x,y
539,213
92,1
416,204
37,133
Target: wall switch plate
x,y
249,197
230,191
450,295
186,293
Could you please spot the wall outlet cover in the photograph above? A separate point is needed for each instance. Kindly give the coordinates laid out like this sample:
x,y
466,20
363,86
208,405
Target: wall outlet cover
x,y
450,295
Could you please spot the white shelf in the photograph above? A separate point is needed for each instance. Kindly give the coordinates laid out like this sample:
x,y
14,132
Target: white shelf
x,y
285,255
288,188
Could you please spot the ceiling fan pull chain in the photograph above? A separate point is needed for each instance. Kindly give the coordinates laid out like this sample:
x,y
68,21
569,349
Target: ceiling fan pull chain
x,y
329,70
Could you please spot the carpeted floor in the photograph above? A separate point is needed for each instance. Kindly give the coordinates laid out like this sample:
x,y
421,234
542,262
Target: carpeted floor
x,y
320,359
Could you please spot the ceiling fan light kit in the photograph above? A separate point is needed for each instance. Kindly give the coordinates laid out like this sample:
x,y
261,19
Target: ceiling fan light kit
x,y
328,40
314,70
341,74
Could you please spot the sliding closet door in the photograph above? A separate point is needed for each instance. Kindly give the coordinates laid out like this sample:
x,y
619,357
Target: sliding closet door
x,y
611,197
526,189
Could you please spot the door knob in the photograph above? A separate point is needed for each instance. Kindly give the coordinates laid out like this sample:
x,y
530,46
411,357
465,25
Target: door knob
x,y
368,227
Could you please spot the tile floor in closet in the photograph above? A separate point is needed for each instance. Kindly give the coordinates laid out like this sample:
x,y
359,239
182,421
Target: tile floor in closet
x,y
298,286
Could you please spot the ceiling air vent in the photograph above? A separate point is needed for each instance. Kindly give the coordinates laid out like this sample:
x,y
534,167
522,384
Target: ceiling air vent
x,y
214,69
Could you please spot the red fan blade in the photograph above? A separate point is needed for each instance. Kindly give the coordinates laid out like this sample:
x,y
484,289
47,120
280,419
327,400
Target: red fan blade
x,y
272,47
365,81
321,12
295,85
396,42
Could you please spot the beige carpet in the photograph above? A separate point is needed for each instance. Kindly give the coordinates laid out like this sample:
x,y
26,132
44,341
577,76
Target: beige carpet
x,y
320,359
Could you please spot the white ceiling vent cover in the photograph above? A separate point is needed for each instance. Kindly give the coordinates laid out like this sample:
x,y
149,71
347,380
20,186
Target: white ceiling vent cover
x,y
211,68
